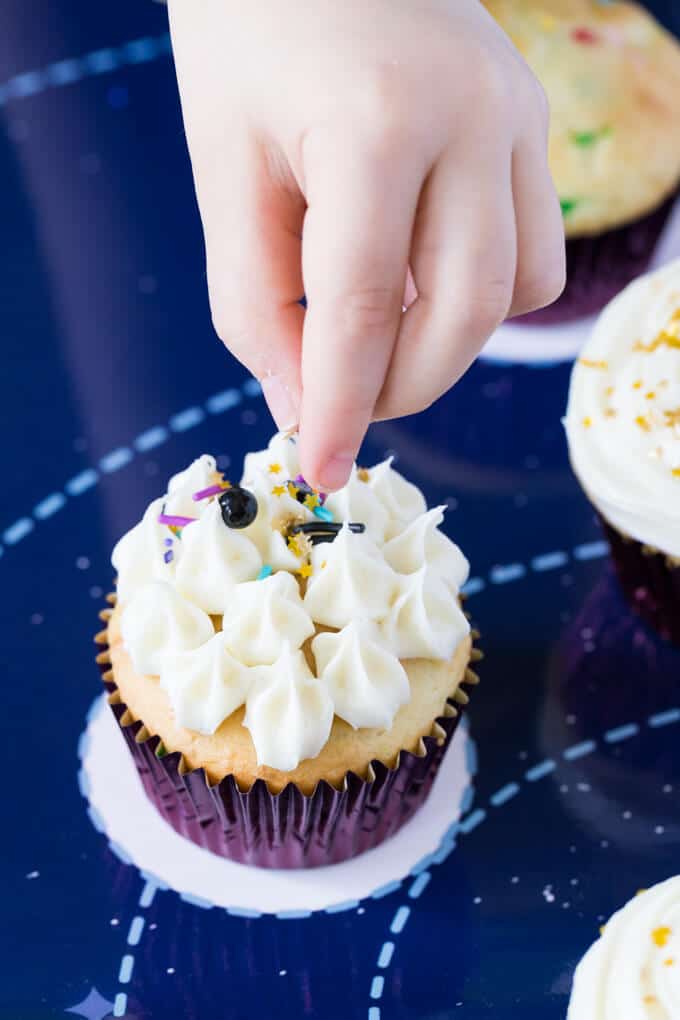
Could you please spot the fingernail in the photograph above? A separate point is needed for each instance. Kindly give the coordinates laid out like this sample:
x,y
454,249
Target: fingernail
x,y
336,470
280,402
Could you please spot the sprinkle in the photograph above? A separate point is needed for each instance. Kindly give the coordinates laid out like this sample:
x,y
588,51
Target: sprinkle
x,y
676,472
275,468
568,205
608,392
643,423
167,556
637,385
175,521
649,999
305,570
323,513
167,541
294,546
311,501
279,490
610,413
585,36
651,395
589,363
212,490
664,339
661,935
672,417
587,422
363,474
602,928
324,564
265,571
669,962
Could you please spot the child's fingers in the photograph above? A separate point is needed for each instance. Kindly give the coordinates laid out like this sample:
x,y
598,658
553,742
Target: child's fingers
x,y
463,259
541,264
253,223
355,253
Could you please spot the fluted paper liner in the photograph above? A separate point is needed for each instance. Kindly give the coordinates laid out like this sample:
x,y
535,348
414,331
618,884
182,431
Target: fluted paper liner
x,y
650,579
288,829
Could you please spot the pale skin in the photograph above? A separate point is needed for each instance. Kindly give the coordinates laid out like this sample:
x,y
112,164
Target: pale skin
x,y
335,144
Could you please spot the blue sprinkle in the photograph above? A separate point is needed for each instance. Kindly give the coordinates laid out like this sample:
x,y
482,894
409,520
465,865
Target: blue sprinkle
x,y
138,51
150,439
120,1004
115,460
167,556
505,574
621,733
187,419
18,530
580,750
664,718
323,513
264,572
505,794
591,550
377,986
543,768
48,506
252,388
472,821
167,541
126,965
223,401
472,586
26,84
101,61
64,72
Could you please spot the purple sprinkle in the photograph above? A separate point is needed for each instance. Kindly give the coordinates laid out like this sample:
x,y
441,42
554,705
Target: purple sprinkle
x,y
300,481
322,495
175,521
212,490
168,556
167,541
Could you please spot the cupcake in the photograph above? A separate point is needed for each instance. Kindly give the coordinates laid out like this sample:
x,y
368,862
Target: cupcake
x,y
633,970
287,667
612,78
623,430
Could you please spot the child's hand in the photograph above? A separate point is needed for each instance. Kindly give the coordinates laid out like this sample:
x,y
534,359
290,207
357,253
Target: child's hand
x,y
335,143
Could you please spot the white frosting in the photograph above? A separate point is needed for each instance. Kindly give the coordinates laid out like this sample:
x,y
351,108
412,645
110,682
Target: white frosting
x,y
425,620
350,581
139,555
198,476
214,558
263,617
633,971
423,543
390,593
623,417
357,501
282,453
158,621
204,685
402,500
288,712
366,682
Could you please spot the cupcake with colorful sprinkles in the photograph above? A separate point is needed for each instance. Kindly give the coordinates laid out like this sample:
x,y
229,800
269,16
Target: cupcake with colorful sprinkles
x,y
611,74
623,429
287,666
633,970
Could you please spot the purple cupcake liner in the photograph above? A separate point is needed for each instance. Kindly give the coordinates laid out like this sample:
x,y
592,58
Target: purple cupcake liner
x,y
287,829
598,268
650,580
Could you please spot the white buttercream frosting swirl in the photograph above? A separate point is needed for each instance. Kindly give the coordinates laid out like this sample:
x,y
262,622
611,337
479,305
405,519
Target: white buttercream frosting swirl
x,y
204,685
366,682
263,617
351,607
157,621
633,970
288,712
623,416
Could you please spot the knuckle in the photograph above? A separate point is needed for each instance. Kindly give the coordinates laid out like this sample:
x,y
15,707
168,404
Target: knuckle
x,y
480,316
367,313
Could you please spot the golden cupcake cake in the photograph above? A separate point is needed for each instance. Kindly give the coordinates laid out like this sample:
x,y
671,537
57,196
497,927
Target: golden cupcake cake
x,y
633,970
611,74
623,430
287,666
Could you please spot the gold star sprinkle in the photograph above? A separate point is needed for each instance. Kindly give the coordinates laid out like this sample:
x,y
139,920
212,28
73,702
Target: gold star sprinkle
x,y
669,962
676,472
363,474
305,570
661,935
275,468
311,501
643,423
294,546
637,385
587,422
651,395
279,490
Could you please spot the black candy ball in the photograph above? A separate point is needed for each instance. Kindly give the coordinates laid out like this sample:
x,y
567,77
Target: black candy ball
x,y
239,507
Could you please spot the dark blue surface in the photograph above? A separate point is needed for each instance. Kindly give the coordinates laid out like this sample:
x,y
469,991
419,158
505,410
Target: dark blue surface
x,y
106,334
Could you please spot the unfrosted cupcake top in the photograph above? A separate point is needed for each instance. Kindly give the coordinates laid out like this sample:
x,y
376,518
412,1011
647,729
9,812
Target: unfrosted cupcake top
x,y
298,605
633,970
623,417
612,77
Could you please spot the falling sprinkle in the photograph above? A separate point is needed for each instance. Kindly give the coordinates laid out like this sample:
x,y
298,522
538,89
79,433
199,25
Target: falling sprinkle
x,y
265,571
590,363
279,490
275,468
33,874
660,936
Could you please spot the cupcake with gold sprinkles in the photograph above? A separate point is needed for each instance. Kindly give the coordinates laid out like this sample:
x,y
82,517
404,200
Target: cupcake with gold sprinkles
x,y
611,74
633,970
287,666
623,430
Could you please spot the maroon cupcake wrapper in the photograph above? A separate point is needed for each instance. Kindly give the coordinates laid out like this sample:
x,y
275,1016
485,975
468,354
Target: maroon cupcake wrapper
x,y
288,829
600,267
650,580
